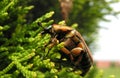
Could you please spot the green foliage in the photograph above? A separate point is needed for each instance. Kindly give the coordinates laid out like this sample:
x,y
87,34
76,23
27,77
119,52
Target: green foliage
x,y
111,72
22,48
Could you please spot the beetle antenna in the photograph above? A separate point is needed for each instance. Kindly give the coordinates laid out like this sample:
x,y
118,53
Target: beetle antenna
x,y
45,30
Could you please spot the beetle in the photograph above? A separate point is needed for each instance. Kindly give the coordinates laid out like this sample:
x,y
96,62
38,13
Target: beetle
x,y
75,48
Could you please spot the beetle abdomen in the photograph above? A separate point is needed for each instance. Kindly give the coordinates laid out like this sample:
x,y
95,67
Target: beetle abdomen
x,y
85,63
78,50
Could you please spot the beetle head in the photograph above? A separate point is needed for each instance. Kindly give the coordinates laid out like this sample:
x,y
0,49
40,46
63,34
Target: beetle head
x,y
55,28
47,30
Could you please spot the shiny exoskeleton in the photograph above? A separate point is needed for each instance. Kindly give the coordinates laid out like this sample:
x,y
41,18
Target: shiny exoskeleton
x,y
75,48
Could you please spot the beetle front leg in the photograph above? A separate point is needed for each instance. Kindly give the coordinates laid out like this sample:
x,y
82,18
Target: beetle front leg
x,y
54,42
51,44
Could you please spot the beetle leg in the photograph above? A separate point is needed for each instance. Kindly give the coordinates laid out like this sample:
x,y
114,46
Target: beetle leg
x,y
76,51
79,59
80,45
52,43
66,51
76,40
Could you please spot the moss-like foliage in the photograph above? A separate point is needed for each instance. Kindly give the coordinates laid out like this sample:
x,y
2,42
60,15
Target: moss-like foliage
x,y
23,50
